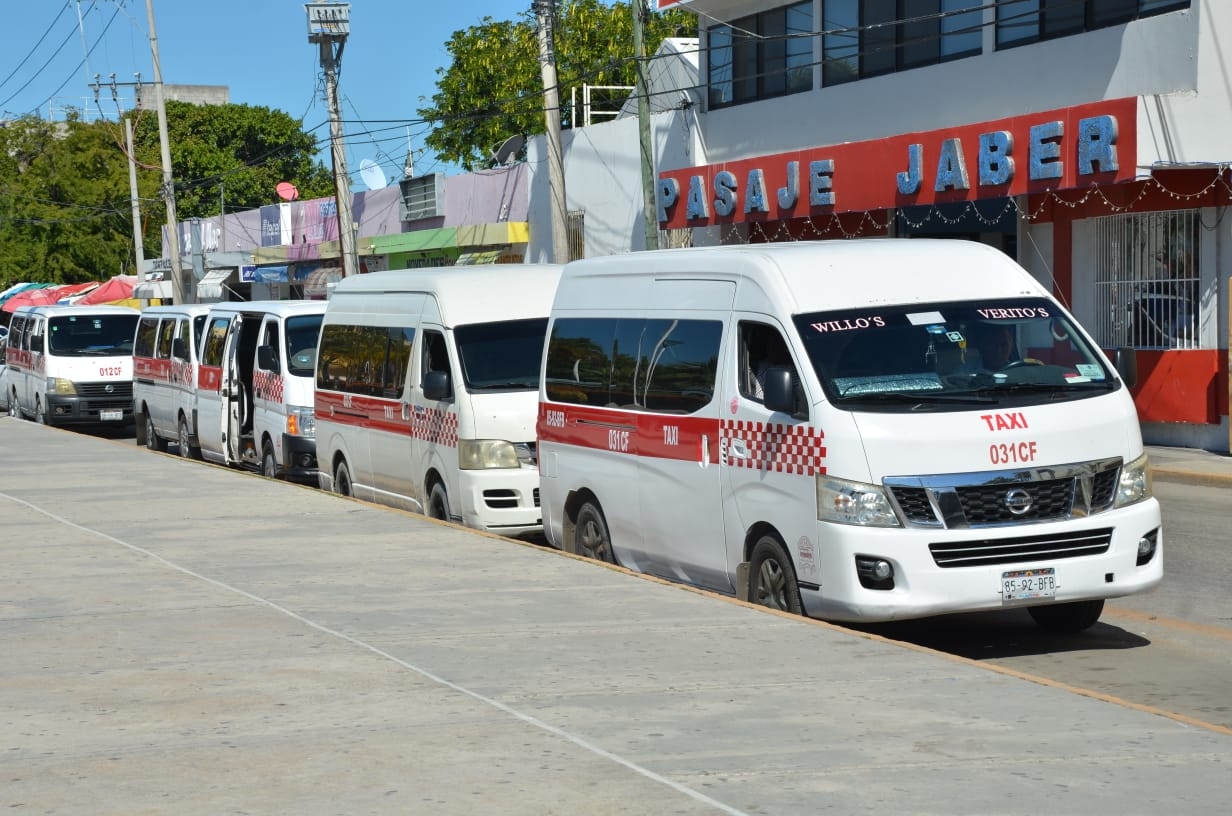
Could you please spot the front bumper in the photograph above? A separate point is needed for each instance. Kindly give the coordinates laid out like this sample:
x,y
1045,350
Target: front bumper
x,y
299,459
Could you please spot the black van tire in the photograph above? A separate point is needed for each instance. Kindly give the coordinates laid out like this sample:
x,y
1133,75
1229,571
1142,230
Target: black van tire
x,y
1067,618
153,441
269,463
438,502
342,480
40,413
187,448
772,577
591,537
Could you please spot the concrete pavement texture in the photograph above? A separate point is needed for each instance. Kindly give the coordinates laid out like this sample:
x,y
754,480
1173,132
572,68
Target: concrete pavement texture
x,y
179,638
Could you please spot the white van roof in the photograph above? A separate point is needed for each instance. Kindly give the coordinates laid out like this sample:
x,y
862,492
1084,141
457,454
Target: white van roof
x,y
466,294
181,309
807,275
58,311
282,308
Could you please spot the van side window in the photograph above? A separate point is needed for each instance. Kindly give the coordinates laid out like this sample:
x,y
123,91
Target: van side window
x,y
34,334
165,333
198,333
761,347
147,331
269,337
368,360
215,341
659,365
183,336
16,332
436,357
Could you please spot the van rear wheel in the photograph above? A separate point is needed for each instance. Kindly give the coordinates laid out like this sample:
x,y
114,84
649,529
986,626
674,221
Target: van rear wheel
x,y
591,537
1067,617
772,578
342,480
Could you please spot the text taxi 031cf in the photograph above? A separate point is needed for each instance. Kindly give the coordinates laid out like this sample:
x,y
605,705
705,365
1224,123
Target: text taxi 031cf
x,y
427,387
856,430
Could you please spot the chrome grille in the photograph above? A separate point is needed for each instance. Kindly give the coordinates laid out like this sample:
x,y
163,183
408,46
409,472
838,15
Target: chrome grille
x,y
989,551
998,498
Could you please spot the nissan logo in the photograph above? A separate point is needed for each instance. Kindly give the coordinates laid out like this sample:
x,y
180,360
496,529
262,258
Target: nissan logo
x,y
1018,501
110,389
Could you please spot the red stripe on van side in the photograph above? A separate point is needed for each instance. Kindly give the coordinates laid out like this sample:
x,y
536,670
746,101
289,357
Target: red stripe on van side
x,y
383,414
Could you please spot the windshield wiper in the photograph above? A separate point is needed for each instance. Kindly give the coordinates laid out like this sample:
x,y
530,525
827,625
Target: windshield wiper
x,y
1056,389
504,386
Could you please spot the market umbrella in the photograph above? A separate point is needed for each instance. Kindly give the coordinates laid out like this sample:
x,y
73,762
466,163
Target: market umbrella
x,y
18,288
70,293
119,288
31,297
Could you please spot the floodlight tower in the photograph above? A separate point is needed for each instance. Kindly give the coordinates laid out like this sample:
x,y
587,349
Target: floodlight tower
x,y
328,25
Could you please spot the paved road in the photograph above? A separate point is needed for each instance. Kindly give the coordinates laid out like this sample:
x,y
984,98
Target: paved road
x,y
184,639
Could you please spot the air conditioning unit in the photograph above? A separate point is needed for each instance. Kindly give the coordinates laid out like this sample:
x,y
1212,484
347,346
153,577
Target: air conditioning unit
x,y
422,197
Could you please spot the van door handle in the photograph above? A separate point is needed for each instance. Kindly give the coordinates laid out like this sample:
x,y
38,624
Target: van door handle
x,y
738,449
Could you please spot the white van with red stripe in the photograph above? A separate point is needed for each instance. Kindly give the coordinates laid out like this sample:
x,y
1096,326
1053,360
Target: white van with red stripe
x,y
165,366
254,387
816,427
71,365
427,388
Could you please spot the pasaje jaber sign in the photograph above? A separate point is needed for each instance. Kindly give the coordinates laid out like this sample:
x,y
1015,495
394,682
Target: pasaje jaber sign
x,y
1054,150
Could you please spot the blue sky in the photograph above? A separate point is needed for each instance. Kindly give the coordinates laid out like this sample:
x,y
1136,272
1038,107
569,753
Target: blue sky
x,y
259,49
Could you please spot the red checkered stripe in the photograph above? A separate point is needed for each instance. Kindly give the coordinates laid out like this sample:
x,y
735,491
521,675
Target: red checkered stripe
x,y
798,450
435,426
269,384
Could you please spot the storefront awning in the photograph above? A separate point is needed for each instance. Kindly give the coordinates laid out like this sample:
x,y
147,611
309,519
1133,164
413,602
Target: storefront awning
x,y
210,287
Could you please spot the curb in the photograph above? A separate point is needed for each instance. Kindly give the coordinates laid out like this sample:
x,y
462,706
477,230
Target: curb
x,y
1192,477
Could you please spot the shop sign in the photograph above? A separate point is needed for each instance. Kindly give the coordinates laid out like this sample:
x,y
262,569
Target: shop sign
x,y
1056,150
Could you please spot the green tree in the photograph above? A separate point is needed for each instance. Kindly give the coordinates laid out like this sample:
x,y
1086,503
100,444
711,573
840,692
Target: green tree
x,y
65,209
493,88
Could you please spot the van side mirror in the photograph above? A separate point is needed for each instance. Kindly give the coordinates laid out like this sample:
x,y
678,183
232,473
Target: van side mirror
x,y
266,359
436,385
1127,365
778,390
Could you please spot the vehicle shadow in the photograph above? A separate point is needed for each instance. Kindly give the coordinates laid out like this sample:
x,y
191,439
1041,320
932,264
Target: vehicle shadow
x,y
995,635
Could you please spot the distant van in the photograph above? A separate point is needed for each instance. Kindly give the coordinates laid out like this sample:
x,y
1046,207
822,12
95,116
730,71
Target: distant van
x,y
254,387
71,365
426,389
861,430
165,368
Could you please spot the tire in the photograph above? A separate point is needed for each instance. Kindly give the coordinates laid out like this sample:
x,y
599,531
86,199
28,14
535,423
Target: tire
x,y
187,449
342,480
1067,618
152,440
772,578
269,463
591,537
40,413
438,502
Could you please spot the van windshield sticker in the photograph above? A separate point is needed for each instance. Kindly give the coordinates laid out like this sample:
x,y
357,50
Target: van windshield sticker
x,y
924,318
847,324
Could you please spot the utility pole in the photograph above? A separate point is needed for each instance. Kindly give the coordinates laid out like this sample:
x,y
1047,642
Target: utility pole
x,y
650,212
184,287
330,23
132,188
545,12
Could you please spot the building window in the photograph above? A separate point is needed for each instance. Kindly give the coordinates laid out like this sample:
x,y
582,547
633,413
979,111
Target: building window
x,y
873,37
761,56
1020,22
1146,280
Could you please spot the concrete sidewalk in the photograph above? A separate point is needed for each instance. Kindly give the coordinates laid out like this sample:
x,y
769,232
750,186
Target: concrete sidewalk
x,y
180,638
1190,466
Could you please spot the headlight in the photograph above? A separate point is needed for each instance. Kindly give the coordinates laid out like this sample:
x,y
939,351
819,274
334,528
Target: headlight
x,y
481,454
1135,484
301,422
59,385
845,502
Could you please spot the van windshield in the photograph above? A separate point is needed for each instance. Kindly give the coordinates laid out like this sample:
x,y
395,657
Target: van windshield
x,y
501,356
91,335
946,356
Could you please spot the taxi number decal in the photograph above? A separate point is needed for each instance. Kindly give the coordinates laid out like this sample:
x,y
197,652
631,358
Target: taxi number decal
x,y
618,441
1012,453
109,371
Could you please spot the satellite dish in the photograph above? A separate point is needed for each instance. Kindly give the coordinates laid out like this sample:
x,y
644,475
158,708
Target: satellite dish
x,y
373,175
506,153
286,191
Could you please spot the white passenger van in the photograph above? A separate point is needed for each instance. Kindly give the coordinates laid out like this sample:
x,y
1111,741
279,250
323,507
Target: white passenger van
x,y
71,365
812,427
427,387
165,368
254,386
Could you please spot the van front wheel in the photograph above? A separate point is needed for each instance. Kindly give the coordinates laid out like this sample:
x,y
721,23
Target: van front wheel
x,y
1067,617
438,502
269,464
153,441
187,449
591,537
772,578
